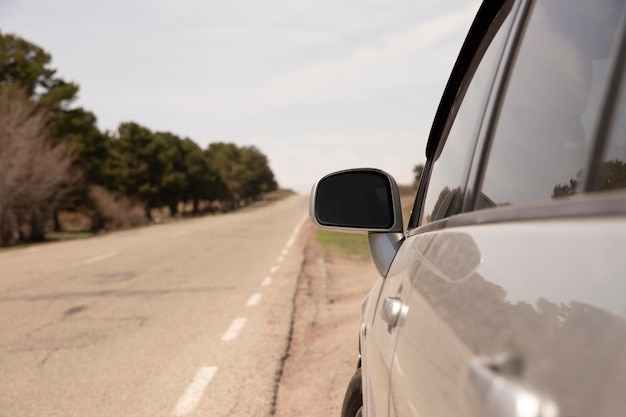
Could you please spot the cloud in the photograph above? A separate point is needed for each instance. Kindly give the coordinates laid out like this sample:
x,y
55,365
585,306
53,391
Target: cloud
x,y
391,63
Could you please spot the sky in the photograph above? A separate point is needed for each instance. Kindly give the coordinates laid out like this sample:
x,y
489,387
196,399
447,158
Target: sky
x,y
317,86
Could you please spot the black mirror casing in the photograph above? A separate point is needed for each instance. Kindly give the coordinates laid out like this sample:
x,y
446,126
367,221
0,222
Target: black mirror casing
x,y
363,199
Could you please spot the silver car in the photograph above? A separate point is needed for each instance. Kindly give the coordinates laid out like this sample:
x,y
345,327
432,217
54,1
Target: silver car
x,y
505,294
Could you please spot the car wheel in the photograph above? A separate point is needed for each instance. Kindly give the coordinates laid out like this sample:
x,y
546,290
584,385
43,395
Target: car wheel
x,y
353,401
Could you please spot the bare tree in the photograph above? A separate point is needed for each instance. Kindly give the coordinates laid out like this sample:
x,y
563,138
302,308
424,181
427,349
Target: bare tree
x,y
34,174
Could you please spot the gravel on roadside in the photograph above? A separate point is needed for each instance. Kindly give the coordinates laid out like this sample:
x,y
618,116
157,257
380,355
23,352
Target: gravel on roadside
x,y
323,350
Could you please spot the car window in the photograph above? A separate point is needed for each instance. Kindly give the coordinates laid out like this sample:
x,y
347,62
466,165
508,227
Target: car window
x,y
544,131
449,173
612,173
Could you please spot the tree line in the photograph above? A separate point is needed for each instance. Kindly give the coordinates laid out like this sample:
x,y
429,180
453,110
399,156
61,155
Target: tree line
x,y
53,158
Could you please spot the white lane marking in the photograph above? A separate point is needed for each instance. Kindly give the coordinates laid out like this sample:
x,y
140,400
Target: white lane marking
x,y
190,399
234,329
97,258
180,233
254,299
295,232
285,251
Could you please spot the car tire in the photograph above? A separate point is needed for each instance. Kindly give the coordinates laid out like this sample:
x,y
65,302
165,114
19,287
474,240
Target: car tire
x,y
353,400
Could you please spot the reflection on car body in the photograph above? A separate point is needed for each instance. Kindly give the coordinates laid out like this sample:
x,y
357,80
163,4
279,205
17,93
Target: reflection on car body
x,y
504,293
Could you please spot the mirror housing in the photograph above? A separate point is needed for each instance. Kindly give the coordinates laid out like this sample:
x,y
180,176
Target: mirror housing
x,y
364,199
361,200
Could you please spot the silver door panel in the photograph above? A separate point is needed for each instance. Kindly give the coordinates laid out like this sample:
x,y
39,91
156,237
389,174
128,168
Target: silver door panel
x,y
540,305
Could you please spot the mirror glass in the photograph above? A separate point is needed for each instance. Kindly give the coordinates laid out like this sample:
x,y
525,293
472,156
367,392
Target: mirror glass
x,y
358,199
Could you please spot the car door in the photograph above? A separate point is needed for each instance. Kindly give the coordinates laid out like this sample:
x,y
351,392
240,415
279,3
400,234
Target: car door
x,y
449,175
515,301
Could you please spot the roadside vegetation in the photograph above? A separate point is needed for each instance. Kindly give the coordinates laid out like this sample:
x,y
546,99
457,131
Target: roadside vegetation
x,y
344,243
56,166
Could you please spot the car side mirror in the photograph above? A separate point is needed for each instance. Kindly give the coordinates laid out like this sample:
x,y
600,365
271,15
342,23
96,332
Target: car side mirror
x,y
363,199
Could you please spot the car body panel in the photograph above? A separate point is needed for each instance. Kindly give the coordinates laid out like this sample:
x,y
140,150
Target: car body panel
x,y
379,344
549,293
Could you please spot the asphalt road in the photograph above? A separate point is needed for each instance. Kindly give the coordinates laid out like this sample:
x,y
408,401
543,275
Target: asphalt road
x,y
187,318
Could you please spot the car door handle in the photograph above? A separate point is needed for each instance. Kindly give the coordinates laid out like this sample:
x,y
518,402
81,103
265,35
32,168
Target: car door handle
x,y
392,307
494,392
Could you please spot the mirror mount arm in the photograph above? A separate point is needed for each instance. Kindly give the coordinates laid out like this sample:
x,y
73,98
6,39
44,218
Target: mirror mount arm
x,y
383,247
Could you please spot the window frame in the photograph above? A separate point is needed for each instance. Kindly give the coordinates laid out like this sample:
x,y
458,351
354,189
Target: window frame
x,y
452,98
585,204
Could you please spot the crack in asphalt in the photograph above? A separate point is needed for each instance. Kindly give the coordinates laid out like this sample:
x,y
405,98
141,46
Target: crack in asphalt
x,y
38,339
110,293
285,355
74,310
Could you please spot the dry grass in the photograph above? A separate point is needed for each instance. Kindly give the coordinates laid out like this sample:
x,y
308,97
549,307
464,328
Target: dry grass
x,y
114,212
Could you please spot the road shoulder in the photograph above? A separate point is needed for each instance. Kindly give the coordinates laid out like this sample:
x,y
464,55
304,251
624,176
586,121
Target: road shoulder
x,y
323,351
